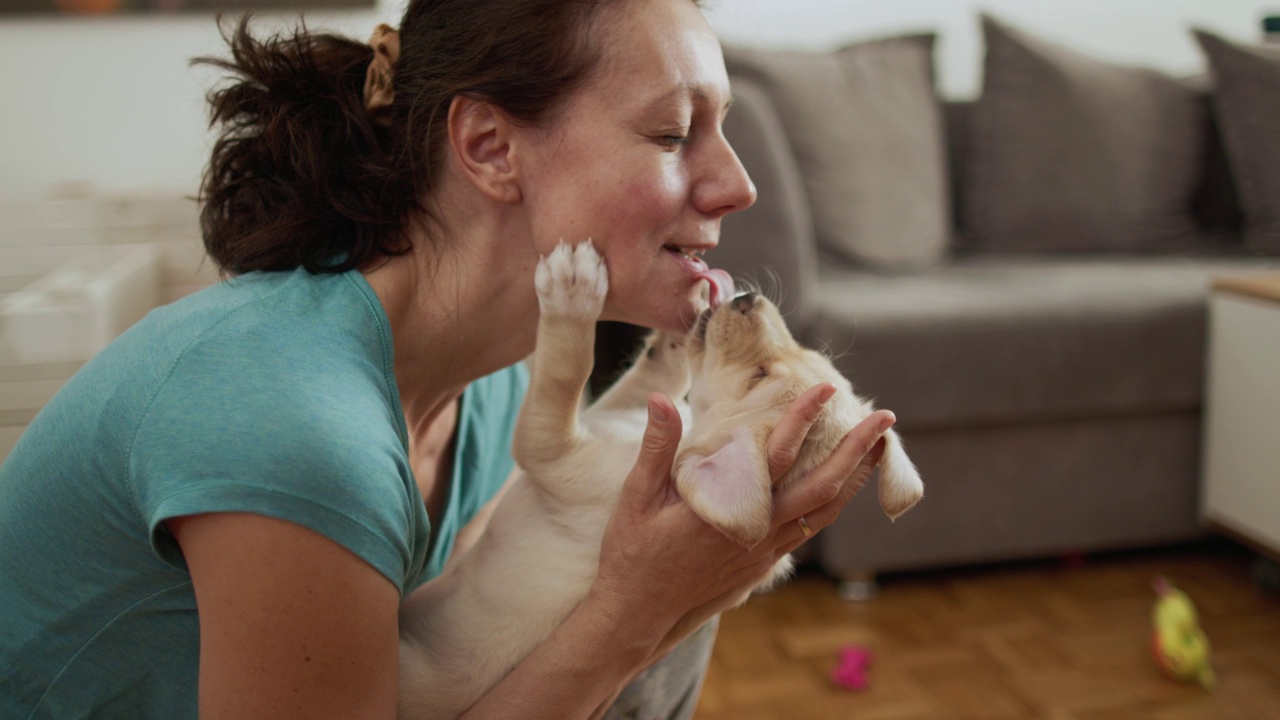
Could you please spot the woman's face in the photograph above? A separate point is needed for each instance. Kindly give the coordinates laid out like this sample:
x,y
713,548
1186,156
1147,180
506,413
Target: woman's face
x,y
637,161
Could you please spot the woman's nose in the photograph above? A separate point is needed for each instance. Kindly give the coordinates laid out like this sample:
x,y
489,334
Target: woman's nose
x,y
726,186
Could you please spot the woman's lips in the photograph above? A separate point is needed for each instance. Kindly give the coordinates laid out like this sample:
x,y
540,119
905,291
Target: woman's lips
x,y
687,258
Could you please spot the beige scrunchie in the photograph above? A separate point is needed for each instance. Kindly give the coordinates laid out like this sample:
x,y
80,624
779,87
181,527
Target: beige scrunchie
x,y
378,88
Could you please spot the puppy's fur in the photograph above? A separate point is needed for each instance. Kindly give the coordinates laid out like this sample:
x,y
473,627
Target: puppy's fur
x,y
463,631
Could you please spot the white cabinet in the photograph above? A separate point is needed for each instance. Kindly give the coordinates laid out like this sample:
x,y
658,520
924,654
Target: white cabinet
x,y
1241,493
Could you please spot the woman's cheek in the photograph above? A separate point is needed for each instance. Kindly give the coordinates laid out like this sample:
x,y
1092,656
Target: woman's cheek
x,y
661,183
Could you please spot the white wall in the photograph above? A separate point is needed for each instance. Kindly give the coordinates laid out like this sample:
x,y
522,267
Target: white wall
x,y
112,101
112,104
1147,32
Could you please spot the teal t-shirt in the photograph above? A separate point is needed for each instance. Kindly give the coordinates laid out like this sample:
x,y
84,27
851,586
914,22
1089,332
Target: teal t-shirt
x,y
271,393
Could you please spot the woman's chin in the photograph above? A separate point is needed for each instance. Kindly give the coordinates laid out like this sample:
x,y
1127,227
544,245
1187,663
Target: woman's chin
x,y
667,305
680,318
672,317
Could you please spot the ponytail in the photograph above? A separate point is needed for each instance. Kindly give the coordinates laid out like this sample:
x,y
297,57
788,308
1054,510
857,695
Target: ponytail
x,y
300,175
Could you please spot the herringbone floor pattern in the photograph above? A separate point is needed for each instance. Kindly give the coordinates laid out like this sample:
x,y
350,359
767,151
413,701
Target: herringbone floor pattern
x,y
1058,641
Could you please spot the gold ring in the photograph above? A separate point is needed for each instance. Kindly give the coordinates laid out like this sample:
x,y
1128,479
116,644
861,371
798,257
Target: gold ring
x,y
804,526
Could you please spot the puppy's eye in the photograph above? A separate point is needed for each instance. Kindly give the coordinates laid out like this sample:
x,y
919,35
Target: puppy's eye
x,y
761,373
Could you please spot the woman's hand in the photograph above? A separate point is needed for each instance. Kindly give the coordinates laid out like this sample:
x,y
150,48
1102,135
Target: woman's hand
x,y
823,493
663,571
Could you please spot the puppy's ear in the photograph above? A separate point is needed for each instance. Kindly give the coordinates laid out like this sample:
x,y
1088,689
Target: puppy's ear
x,y
729,487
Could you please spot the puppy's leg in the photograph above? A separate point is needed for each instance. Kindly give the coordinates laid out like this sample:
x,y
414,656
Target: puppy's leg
x,y
900,483
572,283
663,366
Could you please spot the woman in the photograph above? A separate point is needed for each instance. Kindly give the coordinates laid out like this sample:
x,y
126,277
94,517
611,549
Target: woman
x,y
236,494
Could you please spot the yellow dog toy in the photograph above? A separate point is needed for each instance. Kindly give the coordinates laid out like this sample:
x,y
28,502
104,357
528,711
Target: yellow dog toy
x,y
1180,646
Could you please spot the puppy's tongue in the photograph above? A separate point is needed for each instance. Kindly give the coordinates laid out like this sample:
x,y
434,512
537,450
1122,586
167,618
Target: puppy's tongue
x,y
720,285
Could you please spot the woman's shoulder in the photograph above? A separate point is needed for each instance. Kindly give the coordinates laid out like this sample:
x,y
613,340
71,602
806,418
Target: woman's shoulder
x,y
280,404
272,354
273,350
272,328
282,311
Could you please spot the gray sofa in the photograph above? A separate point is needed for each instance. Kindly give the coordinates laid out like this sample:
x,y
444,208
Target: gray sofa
x,y
1051,399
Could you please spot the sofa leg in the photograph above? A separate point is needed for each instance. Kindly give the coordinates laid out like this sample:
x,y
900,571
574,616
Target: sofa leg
x,y
1266,573
858,587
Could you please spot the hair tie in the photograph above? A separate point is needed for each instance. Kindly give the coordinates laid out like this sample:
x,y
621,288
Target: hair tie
x,y
378,89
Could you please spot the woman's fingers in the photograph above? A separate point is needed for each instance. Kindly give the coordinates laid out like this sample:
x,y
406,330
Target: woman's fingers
x,y
788,435
821,495
791,535
651,474
862,473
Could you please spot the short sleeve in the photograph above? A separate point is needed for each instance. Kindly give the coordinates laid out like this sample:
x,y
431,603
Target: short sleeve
x,y
309,437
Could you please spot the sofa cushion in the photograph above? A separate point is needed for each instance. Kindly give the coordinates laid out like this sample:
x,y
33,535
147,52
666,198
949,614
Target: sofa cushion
x,y
1029,491
1013,339
866,128
1070,153
770,244
1247,105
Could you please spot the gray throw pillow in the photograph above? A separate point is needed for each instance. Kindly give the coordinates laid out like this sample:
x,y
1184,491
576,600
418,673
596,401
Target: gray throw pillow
x,y
1247,105
1070,153
865,126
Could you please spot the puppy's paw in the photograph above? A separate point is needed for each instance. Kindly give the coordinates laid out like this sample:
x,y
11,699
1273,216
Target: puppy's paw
x,y
900,484
572,282
779,575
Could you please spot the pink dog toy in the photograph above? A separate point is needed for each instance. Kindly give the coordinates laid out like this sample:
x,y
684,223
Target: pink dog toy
x,y
851,672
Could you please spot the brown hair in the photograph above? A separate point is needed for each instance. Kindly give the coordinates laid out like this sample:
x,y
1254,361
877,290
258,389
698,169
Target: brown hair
x,y
301,176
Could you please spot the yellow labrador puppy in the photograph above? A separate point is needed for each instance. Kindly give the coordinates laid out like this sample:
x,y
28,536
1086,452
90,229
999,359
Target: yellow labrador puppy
x,y
536,560
747,370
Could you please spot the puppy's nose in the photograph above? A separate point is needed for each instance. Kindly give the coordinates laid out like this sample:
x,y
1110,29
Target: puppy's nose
x,y
746,302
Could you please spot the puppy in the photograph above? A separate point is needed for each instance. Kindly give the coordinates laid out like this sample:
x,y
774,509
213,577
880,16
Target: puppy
x,y
744,351
536,560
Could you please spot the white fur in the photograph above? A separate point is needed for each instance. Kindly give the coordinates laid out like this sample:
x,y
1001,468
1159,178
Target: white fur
x,y
463,631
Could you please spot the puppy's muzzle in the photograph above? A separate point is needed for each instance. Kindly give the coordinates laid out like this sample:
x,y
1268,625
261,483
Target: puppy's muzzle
x,y
744,304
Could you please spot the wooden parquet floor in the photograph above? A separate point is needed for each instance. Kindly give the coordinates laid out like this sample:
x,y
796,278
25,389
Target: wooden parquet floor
x,y
1058,641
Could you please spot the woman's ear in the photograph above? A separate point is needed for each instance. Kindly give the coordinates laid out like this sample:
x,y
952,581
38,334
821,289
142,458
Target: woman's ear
x,y
481,138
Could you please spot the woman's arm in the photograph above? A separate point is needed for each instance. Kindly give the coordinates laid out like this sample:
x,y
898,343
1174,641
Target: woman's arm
x,y
292,624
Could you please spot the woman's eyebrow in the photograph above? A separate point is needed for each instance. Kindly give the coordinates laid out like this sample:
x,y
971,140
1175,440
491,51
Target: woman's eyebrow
x,y
670,97
686,90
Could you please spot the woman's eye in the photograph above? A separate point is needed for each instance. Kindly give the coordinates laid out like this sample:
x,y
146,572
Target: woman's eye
x,y
674,141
